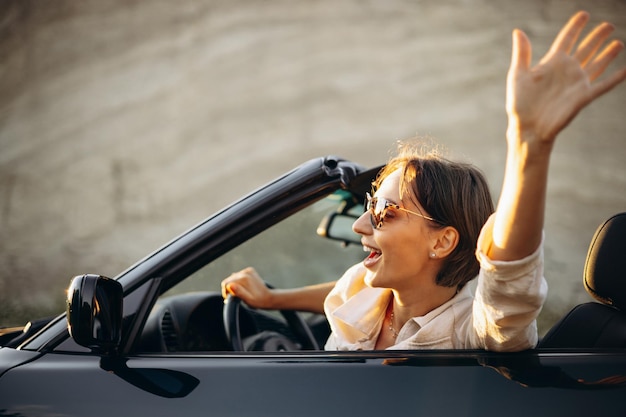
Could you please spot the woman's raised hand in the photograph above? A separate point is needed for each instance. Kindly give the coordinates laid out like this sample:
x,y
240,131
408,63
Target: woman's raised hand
x,y
543,99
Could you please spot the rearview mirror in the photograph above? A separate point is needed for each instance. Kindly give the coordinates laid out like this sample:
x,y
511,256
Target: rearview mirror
x,y
338,226
94,312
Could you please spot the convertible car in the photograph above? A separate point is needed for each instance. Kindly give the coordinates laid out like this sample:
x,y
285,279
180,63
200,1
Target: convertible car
x,y
159,340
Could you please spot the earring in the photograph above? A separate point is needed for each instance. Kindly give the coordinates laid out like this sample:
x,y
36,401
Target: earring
x,y
432,254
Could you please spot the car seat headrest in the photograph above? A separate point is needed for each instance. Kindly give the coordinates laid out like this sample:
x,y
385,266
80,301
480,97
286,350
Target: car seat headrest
x,y
605,268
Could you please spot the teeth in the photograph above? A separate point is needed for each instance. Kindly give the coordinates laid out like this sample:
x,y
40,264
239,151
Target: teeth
x,y
368,249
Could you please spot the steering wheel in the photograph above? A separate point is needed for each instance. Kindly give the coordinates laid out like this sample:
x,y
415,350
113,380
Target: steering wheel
x,y
297,324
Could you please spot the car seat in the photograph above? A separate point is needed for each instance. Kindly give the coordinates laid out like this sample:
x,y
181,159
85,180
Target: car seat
x,y
600,324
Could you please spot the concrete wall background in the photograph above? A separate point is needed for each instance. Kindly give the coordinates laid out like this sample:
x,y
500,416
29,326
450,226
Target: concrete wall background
x,y
123,123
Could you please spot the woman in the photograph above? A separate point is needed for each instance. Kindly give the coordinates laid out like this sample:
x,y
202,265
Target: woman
x,y
422,226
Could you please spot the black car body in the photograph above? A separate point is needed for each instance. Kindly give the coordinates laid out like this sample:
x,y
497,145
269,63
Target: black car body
x,y
156,340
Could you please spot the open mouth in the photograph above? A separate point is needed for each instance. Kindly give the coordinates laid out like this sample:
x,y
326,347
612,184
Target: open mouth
x,y
373,257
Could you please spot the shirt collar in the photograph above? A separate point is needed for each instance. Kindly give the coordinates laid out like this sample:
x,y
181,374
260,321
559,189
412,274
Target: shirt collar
x,y
364,310
422,321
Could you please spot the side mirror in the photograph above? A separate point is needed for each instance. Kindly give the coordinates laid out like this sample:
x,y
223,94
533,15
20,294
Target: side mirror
x,y
94,312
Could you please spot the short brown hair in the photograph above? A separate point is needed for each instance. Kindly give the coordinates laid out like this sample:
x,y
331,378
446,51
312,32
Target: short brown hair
x,y
454,193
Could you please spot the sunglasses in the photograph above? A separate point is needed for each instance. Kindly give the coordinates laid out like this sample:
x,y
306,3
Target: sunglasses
x,y
378,208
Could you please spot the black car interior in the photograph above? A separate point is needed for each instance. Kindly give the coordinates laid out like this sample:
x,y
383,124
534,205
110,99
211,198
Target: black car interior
x,y
187,323
602,323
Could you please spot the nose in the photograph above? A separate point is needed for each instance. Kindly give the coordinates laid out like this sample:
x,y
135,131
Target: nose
x,y
363,225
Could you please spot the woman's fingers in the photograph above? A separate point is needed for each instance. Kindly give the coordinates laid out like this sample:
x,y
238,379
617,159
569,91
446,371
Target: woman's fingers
x,y
602,86
599,63
248,285
568,36
592,42
521,56
544,98
586,53
235,284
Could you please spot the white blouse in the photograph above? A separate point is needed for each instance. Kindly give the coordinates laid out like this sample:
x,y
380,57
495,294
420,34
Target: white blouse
x,y
501,316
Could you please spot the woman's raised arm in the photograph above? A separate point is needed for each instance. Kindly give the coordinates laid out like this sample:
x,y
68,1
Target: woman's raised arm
x,y
541,101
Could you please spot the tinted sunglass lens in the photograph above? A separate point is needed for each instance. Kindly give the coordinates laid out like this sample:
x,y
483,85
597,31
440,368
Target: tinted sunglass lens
x,y
373,221
376,212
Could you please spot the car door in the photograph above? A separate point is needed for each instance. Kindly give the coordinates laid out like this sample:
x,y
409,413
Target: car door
x,y
318,383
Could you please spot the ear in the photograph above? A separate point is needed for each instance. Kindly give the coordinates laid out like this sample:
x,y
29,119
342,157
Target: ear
x,y
446,241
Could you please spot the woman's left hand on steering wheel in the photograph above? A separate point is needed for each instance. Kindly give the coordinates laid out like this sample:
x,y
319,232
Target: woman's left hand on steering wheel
x,y
248,285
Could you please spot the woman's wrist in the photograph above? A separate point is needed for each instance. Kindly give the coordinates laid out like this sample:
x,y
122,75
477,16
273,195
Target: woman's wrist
x,y
526,147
